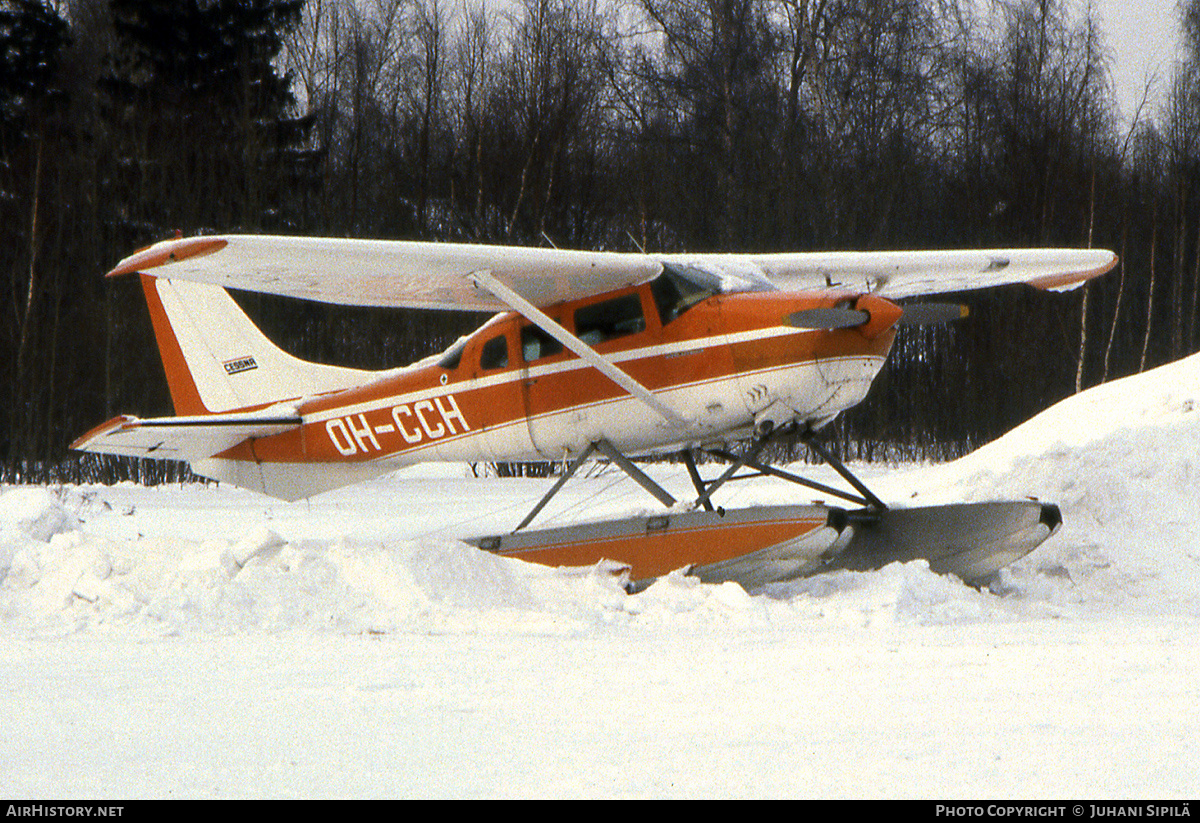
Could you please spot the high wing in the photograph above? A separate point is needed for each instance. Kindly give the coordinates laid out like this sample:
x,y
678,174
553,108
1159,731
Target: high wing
x,y
901,274
391,273
181,438
399,273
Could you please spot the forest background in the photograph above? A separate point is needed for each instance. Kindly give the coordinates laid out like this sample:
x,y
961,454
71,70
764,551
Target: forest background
x,y
667,125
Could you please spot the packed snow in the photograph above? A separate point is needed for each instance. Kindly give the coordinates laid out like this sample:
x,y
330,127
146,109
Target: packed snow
x,y
204,641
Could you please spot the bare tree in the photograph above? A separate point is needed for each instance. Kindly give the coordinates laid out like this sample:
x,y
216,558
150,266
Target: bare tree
x,y
473,85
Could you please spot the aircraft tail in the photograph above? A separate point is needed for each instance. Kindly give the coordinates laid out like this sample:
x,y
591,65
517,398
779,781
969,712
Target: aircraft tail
x,y
217,360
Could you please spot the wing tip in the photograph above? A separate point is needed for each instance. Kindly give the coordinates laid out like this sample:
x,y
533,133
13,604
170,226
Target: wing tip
x,y
1064,281
81,442
167,252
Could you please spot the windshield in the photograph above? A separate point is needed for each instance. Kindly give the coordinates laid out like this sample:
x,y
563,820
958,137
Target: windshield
x,y
679,288
451,357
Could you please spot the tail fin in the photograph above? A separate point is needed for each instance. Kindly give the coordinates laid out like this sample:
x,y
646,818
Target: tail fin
x,y
217,360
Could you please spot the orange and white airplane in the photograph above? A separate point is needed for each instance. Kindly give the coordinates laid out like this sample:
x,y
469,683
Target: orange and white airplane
x,y
616,353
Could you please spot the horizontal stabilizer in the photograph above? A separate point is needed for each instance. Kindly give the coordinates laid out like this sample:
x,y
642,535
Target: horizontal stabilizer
x,y
181,438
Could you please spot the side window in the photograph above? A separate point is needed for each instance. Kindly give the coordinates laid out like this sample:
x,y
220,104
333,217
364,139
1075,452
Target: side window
x,y
612,318
494,354
536,344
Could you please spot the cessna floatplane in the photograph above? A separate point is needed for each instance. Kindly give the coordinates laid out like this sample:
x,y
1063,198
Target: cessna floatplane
x,y
593,355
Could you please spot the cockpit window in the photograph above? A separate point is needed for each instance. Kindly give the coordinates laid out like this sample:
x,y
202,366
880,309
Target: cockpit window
x,y
611,318
494,354
536,344
679,288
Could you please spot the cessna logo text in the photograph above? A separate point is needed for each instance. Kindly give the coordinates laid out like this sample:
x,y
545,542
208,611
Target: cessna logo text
x,y
415,422
241,364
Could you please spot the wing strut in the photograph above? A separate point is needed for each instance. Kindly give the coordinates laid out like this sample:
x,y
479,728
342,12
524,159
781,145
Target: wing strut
x,y
621,461
485,280
566,475
750,460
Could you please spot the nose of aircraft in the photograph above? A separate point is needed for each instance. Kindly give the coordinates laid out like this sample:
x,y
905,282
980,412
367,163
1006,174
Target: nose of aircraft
x,y
881,315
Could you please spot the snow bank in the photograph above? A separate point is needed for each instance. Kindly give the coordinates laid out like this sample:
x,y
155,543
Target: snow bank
x,y
33,513
1122,460
27,515
259,583
263,584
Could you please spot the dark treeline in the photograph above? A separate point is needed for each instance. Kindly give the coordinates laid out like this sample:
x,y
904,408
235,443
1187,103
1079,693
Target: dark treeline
x,y
668,125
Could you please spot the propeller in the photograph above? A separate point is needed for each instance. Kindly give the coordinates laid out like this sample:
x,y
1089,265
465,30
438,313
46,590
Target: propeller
x,y
920,314
836,317
843,317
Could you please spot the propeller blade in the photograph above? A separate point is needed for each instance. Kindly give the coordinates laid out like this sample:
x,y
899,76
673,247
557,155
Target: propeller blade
x,y
827,318
919,314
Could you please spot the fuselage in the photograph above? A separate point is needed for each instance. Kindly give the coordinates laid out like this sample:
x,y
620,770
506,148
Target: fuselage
x,y
511,392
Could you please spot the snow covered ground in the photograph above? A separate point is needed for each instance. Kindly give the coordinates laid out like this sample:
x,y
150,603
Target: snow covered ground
x,y
210,642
